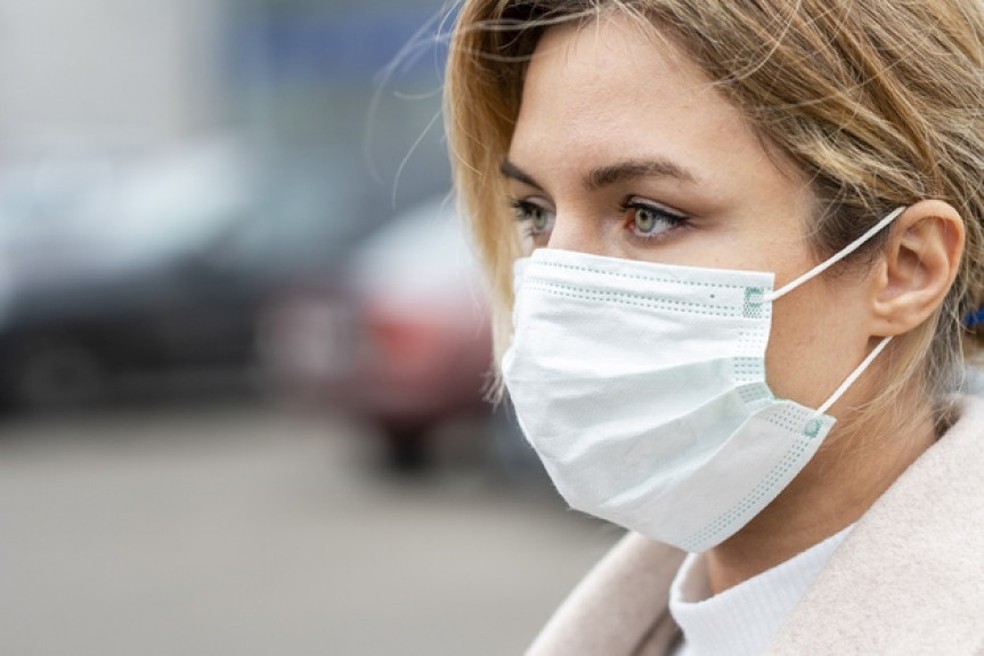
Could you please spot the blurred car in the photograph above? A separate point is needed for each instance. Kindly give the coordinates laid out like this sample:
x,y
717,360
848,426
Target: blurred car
x,y
403,339
163,263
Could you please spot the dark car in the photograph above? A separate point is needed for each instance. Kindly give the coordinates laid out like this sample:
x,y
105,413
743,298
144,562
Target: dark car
x,y
161,264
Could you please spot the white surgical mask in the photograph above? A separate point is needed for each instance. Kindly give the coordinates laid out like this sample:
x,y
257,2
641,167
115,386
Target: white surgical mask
x,y
642,388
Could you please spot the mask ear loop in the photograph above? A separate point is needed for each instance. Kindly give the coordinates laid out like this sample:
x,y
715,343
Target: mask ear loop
x,y
820,268
839,392
847,250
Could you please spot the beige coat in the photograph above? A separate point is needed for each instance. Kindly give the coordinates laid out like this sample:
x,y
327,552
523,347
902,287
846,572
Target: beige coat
x,y
909,579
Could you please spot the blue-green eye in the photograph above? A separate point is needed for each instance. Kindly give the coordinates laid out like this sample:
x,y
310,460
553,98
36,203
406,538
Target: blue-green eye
x,y
648,220
539,219
645,220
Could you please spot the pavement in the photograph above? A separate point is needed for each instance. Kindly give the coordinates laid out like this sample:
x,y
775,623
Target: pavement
x,y
243,529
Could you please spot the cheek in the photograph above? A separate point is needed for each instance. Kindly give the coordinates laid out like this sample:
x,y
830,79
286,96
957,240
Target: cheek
x,y
818,337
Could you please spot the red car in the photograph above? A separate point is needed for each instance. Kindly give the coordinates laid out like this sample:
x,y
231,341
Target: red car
x,y
403,340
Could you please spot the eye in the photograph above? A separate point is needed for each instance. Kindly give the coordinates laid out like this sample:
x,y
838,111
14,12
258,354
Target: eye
x,y
648,220
537,219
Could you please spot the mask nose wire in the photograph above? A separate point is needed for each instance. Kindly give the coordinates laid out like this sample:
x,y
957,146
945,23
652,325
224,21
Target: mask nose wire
x,y
826,264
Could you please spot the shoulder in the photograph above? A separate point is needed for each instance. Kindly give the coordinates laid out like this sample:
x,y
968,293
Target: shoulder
x,y
617,606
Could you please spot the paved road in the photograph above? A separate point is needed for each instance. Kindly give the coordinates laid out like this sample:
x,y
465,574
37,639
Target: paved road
x,y
245,530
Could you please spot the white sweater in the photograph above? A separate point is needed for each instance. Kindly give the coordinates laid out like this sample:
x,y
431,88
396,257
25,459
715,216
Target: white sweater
x,y
744,619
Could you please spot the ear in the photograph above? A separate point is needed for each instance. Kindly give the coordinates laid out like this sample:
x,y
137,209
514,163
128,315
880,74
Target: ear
x,y
921,260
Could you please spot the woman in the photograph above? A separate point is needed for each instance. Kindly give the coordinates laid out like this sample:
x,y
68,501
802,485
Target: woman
x,y
744,236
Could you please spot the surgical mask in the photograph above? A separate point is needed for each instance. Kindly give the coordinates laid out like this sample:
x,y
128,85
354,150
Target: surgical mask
x,y
642,388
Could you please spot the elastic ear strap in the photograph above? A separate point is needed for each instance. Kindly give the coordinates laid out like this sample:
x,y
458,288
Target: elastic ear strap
x,y
847,250
839,392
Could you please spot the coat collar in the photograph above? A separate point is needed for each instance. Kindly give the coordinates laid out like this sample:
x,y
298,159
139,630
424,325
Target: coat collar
x,y
619,608
910,576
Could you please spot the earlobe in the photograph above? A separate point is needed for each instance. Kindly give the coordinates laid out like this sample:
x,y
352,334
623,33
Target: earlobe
x,y
920,262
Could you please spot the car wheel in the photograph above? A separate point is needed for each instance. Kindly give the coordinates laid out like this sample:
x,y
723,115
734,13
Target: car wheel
x,y
56,374
407,448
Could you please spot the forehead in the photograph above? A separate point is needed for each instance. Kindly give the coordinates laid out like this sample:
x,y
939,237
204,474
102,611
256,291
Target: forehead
x,y
613,48
615,88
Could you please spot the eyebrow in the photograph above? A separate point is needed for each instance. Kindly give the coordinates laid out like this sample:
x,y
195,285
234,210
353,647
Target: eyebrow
x,y
636,168
611,174
510,170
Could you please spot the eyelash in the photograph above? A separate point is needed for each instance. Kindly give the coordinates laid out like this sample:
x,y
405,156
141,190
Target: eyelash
x,y
525,209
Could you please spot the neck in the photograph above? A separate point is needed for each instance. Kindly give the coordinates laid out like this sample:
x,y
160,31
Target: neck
x,y
853,467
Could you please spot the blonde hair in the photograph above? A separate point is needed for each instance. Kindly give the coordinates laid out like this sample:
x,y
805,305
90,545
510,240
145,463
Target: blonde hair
x,y
878,102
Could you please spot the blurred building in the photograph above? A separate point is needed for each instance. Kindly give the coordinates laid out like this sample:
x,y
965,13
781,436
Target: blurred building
x,y
333,83
345,85
108,73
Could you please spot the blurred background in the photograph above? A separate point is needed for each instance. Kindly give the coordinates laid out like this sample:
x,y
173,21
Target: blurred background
x,y
244,344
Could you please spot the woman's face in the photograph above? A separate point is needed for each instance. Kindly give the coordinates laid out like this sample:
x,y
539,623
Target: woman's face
x,y
623,148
